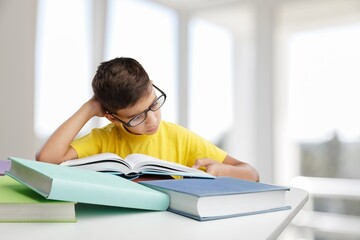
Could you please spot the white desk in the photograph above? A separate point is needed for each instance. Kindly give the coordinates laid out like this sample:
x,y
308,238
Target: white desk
x,y
97,222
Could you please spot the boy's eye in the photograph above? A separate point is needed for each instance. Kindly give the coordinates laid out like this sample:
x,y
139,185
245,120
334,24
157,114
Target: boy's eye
x,y
137,117
155,104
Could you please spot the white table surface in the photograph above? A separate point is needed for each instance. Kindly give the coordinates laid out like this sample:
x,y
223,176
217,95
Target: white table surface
x,y
98,222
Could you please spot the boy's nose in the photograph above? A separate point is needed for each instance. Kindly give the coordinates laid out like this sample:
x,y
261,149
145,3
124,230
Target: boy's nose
x,y
151,117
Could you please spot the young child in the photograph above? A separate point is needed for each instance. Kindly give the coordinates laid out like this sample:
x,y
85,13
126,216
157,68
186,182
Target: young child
x,y
124,94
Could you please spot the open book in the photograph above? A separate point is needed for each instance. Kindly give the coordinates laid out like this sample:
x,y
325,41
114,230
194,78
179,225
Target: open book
x,y
134,165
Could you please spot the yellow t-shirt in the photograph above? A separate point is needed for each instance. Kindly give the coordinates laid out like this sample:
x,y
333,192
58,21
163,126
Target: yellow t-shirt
x,y
171,142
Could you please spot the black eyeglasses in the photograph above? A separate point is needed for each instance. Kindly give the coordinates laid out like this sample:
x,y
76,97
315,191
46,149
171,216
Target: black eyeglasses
x,y
141,117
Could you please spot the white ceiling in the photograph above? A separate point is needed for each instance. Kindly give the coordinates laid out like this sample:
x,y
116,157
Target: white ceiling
x,y
196,4
230,14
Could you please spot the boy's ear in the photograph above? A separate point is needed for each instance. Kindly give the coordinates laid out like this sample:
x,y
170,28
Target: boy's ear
x,y
110,118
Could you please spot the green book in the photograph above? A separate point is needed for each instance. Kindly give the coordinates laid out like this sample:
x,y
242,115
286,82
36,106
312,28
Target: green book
x,y
19,203
79,185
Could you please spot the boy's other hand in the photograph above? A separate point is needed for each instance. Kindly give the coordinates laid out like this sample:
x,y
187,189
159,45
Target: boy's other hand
x,y
230,167
209,165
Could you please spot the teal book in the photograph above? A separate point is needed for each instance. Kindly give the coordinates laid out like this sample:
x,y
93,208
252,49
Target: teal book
x,y
19,203
222,197
57,182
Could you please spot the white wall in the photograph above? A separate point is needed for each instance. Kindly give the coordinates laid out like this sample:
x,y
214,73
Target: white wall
x,y
17,41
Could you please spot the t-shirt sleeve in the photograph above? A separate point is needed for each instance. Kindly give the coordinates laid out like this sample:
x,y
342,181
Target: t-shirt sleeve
x,y
87,145
202,148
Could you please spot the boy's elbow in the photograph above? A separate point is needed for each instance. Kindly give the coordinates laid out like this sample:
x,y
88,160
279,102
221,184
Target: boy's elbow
x,y
43,157
39,157
252,174
256,176
51,156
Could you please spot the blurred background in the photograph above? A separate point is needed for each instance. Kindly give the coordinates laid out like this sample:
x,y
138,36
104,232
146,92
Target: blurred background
x,y
273,82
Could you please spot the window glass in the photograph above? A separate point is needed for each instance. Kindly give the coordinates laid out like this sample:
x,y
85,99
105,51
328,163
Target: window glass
x,y
146,32
323,122
211,78
62,62
323,99
324,81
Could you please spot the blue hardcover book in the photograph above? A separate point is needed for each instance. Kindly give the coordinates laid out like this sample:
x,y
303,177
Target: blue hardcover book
x,y
222,197
78,185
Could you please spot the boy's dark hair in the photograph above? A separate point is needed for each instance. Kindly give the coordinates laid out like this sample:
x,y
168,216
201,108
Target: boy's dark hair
x,y
120,83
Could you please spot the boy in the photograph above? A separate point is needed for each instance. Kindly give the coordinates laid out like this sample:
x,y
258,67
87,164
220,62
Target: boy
x,y
124,94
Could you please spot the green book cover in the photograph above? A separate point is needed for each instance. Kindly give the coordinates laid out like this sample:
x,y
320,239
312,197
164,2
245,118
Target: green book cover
x,y
19,203
78,185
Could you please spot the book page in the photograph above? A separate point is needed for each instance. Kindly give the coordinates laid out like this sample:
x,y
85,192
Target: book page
x,y
103,162
134,164
93,158
151,165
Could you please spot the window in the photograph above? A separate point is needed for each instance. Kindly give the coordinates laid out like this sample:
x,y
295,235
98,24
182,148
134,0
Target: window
x,y
62,62
211,78
146,32
323,84
323,100
64,54
319,132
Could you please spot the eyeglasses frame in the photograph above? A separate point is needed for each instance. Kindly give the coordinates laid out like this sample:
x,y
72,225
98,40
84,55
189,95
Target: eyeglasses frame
x,y
127,124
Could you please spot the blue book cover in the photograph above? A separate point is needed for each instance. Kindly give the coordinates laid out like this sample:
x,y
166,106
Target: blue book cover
x,y
222,197
78,185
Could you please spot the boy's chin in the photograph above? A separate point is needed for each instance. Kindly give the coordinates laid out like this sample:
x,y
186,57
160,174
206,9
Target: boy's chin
x,y
152,131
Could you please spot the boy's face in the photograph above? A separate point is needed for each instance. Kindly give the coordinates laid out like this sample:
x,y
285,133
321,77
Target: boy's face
x,y
153,118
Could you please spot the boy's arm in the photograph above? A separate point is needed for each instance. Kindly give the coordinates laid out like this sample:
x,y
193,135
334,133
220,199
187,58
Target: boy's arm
x,y
57,148
230,167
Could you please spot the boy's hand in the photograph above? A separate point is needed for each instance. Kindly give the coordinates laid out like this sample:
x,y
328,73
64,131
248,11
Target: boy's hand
x,y
211,166
95,107
58,147
230,167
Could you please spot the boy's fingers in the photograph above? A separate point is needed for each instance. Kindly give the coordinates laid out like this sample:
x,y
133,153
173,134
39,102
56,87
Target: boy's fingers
x,y
202,162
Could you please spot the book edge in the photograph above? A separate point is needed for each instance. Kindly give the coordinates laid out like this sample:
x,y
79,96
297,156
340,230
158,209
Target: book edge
x,y
199,218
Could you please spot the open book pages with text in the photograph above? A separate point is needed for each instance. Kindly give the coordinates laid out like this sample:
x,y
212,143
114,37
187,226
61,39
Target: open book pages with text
x,y
134,165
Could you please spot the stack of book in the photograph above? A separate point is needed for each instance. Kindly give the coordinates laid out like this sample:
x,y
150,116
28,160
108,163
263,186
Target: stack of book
x,y
18,203
48,192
